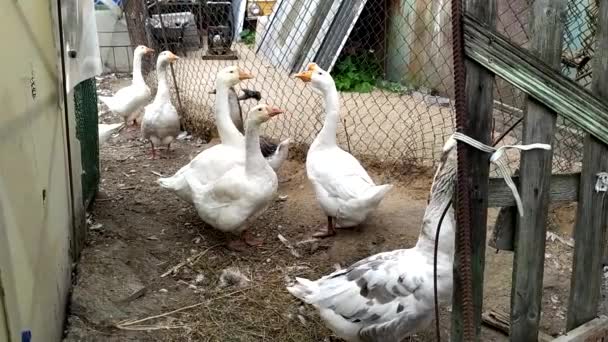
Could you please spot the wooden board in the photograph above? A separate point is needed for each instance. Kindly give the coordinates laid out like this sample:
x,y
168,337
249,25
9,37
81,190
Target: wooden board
x,y
479,106
593,331
589,232
564,189
535,180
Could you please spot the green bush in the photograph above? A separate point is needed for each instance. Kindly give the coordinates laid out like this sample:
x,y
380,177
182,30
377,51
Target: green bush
x,y
357,73
248,37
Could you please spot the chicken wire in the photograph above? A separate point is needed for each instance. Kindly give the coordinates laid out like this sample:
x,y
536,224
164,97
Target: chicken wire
x,y
580,24
393,67
85,111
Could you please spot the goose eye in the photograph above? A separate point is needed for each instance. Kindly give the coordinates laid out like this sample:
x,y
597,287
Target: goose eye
x,y
320,73
232,71
259,109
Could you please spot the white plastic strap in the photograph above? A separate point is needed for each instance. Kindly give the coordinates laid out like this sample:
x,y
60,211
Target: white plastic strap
x,y
502,168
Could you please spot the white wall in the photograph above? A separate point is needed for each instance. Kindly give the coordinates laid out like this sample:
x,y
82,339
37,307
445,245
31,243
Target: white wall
x,y
35,203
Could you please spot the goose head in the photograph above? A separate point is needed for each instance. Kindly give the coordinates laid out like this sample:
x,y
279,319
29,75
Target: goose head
x,y
320,79
164,58
262,113
231,76
142,50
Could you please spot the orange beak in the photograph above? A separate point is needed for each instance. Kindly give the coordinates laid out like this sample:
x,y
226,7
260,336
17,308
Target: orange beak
x,y
148,50
274,111
305,76
172,57
244,75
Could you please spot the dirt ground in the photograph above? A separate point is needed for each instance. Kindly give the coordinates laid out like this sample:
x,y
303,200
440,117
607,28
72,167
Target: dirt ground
x,y
151,268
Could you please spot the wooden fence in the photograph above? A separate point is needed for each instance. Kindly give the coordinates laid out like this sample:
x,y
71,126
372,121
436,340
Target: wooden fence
x,y
536,72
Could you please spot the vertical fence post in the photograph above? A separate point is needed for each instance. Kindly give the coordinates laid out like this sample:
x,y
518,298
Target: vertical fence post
x,y
589,233
535,176
479,106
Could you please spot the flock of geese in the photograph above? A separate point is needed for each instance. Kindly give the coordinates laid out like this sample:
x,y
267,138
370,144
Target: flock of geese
x,y
384,297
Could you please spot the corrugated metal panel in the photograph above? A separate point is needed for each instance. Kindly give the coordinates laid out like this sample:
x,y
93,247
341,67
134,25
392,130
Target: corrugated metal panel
x,y
301,31
342,25
322,21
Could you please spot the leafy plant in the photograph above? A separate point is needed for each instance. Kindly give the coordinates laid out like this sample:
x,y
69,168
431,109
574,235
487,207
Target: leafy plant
x,y
357,73
248,37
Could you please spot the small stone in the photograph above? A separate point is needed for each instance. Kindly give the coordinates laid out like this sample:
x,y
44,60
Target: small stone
x,y
163,290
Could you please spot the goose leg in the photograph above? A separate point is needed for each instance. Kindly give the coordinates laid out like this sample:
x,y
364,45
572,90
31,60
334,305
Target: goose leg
x,y
237,245
153,151
329,231
250,239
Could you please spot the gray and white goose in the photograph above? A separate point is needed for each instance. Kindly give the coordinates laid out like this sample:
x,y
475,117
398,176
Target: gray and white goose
x,y
389,296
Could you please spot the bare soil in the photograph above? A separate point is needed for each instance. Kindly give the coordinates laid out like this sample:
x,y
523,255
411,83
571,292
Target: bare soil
x,y
138,232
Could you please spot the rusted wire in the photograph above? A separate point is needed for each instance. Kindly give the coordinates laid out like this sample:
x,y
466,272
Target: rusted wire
x,y
463,219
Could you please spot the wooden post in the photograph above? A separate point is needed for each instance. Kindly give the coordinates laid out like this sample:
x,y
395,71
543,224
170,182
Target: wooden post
x,y
480,103
589,233
535,176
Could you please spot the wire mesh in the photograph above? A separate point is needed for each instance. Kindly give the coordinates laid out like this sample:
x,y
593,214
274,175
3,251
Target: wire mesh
x,y
391,61
85,102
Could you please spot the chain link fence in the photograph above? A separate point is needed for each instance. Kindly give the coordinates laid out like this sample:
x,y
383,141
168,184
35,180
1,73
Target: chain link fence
x,y
390,59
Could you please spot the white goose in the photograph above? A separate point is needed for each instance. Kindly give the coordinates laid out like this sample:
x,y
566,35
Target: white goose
x,y
129,99
389,296
213,162
242,193
160,123
345,191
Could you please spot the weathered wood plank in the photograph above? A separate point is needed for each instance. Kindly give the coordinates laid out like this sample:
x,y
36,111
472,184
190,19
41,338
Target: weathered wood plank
x,y
564,189
535,176
500,321
591,331
527,72
589,232
503,233
479,106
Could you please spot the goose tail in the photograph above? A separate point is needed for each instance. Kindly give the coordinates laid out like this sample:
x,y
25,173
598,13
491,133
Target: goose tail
x,y
178,184
303,289
280,155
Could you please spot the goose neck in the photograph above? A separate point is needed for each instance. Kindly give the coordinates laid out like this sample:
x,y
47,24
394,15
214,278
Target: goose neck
x,y
138,78
228,132
254,160
162,93
327,136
